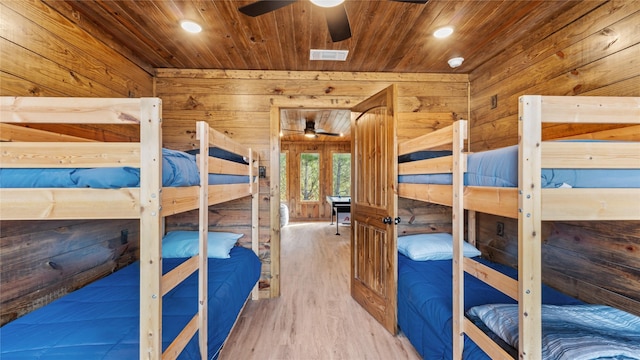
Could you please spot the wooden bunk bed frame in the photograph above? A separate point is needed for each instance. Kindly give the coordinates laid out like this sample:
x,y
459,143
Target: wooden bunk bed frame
x,y
150,202
528,203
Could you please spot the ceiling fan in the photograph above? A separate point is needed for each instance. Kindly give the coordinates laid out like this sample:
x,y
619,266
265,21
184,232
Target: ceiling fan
x,y
310,130
335,12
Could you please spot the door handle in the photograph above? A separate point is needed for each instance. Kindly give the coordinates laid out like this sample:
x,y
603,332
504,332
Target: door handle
x,y
388,220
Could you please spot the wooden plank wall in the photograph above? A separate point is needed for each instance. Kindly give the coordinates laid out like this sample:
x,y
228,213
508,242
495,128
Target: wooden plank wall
x,y
310,210
589,52
416,218
239,103
44,54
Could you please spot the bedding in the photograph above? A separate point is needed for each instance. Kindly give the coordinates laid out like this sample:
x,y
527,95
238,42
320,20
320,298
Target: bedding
x,y
184,244
425,304
101,320
499,168
433,246
571,332
178,169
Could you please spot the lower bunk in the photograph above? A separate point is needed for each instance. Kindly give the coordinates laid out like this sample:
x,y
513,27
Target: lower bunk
x,y
101,320
425,298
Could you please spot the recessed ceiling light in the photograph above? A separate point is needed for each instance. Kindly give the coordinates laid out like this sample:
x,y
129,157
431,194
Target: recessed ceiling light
x,y
327,3
443,32
191,26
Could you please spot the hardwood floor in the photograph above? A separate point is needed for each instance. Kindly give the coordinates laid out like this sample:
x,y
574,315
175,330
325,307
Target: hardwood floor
x,y
315,317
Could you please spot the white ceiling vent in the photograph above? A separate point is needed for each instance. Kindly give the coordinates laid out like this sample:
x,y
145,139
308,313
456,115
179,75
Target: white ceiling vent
x,y
329,55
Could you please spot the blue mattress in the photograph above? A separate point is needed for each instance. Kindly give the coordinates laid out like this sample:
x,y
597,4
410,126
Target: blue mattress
x,y
499,167
101,320
425,304
178,169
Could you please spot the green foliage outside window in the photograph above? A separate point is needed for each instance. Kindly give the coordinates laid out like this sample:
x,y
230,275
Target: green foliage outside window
x,y
310,177
341,174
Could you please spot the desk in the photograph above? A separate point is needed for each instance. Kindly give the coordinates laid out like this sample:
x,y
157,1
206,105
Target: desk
x,y
339,204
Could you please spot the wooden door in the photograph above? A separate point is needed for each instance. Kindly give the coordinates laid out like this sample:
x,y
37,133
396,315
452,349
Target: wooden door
x,y
374,206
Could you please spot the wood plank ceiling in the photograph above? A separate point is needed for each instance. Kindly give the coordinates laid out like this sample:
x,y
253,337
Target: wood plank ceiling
x,y
388,36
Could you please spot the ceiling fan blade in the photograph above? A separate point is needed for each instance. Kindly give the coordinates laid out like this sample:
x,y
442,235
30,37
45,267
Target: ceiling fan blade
x,y
264,6
413,1
322,132
338,23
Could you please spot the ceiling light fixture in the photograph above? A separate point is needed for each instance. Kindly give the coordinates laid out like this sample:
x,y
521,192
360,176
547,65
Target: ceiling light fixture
x,y
443,32
310,133
327,3
191,26
455,62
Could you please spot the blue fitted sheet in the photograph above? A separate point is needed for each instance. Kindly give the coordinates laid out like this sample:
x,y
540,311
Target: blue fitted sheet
x,y
425,304
178,169
101,320
499,167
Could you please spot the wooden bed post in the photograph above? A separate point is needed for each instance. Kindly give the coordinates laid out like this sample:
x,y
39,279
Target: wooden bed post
x,y
203,214
150,228
529,227
459,168
255,203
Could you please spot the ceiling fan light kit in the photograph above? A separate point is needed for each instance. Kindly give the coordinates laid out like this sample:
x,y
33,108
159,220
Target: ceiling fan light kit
x,y
327,3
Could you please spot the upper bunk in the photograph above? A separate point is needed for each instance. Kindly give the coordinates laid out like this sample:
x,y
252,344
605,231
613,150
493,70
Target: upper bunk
x,y
535,162
103,180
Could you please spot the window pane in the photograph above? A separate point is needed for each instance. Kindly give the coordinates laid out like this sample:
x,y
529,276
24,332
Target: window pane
x,y
283,176
310,177
341,174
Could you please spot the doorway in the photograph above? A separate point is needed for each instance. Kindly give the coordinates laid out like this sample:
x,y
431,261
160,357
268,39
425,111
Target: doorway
x,y
292,141
374,208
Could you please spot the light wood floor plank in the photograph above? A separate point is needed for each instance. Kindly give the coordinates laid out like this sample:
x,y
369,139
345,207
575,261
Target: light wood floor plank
x,y
315,318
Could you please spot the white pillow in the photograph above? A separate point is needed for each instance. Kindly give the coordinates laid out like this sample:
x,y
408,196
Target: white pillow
x,y
184,244
435,246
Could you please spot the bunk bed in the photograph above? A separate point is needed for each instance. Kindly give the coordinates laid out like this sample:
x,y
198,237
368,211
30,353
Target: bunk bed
x,y
164,293
454,183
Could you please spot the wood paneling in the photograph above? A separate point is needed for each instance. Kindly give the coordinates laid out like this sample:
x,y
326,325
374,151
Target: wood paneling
x,y
45,54
43,46
593,55
417,218
588,51
336,124
281,40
